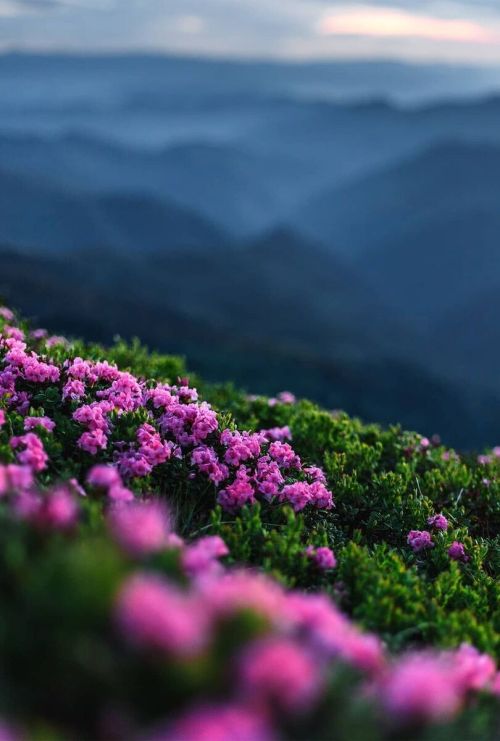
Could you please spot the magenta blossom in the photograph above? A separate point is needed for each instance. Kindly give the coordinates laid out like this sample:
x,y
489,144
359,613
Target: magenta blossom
x,y
201,557
280,671
155,615
31,423
140,528
103,476
33,453
438,521
419,540
456,552
58,510
421,688
323,558
230,722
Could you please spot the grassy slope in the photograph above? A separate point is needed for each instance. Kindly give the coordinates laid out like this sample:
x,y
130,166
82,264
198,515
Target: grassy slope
x,y
384,486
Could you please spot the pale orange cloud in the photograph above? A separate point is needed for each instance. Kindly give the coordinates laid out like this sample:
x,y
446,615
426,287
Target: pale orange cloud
x,y
392,23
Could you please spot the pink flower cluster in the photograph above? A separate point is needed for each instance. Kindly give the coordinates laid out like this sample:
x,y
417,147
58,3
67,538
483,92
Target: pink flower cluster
x,y
107,479
257,468
323,558
31,423
421,540
55,509
32,453
142,528
284,397
438,521
456,552
243,466
286,668
280,434
156,615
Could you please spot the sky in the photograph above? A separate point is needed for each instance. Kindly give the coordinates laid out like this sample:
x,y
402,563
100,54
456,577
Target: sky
x,y
454,31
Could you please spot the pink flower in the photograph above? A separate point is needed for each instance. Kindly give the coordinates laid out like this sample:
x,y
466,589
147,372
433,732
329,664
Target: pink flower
x,y
58,510
31,423
438,521
27,505
153,614
421,688
363,651
419,540
6,314
280,672
229,722
322,557
284,455
484,460
200,557
3,418
93,441
74,390
297,494
456,552
472,670
277,434
120,494
103,476
321,497
94,416
133,465
243,590
33,455
55,339
424,443
239,493
331,634
18,477
140,528
207,462
315,473
39,334
154,450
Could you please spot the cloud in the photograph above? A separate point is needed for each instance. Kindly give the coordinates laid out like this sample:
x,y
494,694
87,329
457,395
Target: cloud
x,y
387,22
22,7
449,30
189,24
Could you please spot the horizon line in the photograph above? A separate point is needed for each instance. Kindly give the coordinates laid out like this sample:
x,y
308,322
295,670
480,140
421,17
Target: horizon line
x,y
244,59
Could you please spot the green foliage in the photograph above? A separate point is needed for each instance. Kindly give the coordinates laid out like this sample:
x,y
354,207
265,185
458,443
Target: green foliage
x,y
384,486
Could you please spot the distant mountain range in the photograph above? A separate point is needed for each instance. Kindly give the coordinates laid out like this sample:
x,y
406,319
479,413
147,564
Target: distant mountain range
x,y
64,78
425,233
301,222
52,218
244,191
130,298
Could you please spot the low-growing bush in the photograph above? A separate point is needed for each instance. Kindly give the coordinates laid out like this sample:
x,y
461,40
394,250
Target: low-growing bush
x,y
121,490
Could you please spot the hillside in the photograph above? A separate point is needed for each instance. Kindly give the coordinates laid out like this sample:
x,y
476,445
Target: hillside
x,y
424,234
447,180
476,321
190,561
65,220
237,316
224,183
